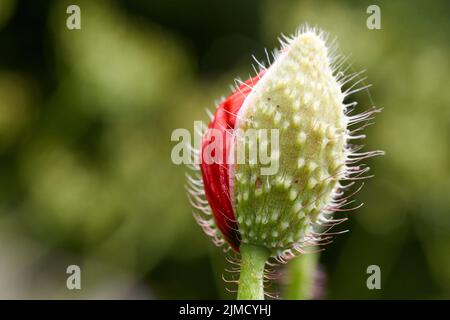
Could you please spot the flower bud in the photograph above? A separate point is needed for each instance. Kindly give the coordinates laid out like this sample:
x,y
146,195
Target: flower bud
x,y
299,96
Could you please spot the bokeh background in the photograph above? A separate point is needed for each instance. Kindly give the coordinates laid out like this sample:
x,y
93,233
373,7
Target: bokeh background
x,y
85,122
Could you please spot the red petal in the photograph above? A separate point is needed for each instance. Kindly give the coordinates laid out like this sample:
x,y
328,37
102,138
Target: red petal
x,y
215,175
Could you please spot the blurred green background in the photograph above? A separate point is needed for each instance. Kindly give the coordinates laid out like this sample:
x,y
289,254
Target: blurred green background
x,y
85,121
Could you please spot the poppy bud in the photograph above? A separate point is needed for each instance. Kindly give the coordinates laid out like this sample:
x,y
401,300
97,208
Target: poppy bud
x,y
301,96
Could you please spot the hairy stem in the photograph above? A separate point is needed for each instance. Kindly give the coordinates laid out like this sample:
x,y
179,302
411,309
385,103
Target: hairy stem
x,y
253,260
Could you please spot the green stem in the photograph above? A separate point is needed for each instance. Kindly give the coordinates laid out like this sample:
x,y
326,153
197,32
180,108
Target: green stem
x,y
253,260
300,277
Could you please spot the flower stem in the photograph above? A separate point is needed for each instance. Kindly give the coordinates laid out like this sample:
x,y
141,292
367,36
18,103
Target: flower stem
x,y
253,260
300,277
